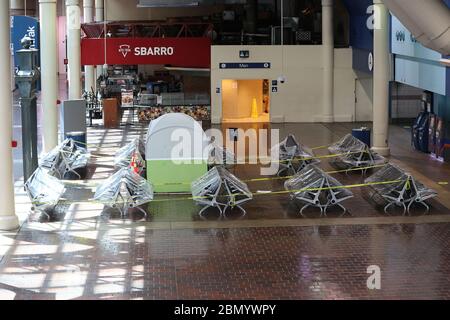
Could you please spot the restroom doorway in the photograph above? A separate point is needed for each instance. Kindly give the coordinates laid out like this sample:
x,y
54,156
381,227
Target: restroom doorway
x,y
246,101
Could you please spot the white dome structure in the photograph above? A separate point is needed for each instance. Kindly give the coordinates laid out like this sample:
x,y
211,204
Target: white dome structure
x,y
176,152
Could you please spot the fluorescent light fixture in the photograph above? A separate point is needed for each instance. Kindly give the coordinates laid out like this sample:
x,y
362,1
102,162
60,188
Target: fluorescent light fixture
x,y
167,3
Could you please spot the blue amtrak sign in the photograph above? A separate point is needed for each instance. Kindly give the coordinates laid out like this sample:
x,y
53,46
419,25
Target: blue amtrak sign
x,y
361,33
22,26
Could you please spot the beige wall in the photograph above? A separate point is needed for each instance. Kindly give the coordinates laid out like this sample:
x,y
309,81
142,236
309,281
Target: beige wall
x,y
230,98
128,10
299,99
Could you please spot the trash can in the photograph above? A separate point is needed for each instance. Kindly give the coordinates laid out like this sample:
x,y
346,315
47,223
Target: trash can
x,y
363,134
79,137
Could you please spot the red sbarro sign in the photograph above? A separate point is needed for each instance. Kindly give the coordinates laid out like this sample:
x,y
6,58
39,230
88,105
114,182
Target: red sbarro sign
x,y
179,52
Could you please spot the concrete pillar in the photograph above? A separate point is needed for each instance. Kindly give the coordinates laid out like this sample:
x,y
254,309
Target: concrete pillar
x,y
328,60
17,7
251,12
381,77
99,17
23,7
89,71
8,218
49,73
74,48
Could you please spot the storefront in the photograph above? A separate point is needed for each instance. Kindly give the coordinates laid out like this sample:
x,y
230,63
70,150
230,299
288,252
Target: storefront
x,y
162,74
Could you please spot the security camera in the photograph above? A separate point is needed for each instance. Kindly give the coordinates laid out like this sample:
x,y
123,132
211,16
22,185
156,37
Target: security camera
x,y
281,79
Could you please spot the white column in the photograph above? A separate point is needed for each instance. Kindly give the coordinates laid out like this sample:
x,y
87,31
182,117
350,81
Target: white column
x,y
8,218
99,17
17,7
99,10
74,48
328,60
89,71
49,73
381,79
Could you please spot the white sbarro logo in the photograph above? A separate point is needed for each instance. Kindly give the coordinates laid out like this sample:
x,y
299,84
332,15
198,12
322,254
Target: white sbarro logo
x,y
154,51
124,49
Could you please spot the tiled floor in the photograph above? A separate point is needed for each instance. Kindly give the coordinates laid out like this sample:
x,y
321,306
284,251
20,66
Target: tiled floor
x,y
272,253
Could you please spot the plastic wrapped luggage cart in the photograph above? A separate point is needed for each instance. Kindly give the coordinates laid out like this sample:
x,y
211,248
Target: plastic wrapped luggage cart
x,y
293,156
131,155
395,187
351,154
44,191
220,189
66,160
125,190
315,188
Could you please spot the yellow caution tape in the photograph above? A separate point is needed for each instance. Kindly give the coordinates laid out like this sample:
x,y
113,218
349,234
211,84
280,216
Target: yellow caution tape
x,y
361,185
94,185
322,147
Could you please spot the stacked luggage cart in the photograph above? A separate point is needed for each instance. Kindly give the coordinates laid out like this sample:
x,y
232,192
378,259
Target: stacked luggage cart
x,y
352,154
220,189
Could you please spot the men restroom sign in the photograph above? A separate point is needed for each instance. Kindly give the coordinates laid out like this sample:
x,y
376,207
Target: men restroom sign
x,y
256,65
244,54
